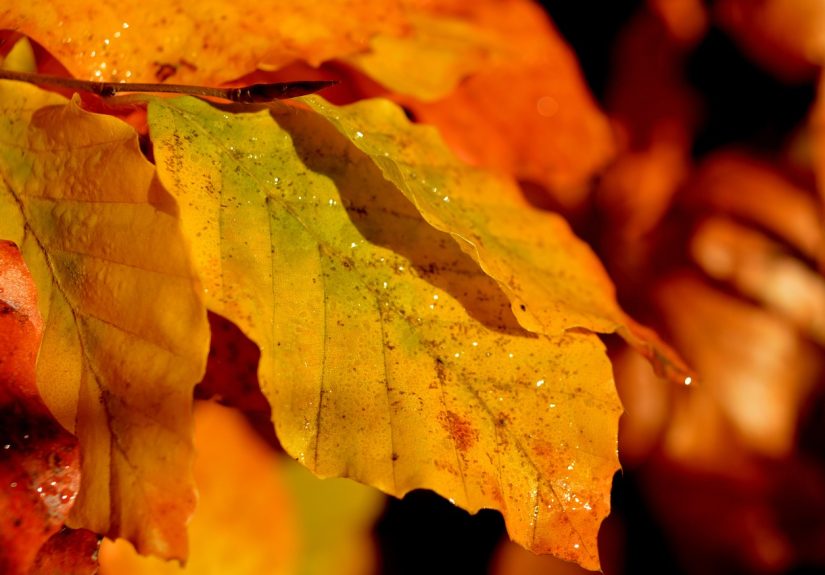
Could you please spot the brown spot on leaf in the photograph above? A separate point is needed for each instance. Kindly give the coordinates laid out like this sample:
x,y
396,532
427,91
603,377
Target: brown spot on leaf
x,y
461,430
165,71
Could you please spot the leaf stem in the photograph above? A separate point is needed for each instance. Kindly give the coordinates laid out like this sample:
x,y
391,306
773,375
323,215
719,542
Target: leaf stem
x,y
253,93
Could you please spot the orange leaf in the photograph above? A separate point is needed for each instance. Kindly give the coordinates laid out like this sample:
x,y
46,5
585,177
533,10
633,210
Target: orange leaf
x,y
21,328
206,42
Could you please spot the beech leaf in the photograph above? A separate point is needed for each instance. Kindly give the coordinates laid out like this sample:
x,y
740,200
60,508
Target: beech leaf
x,y
125,332
388,355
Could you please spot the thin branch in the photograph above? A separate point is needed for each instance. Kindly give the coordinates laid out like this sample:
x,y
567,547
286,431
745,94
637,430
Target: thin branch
x,y
253,93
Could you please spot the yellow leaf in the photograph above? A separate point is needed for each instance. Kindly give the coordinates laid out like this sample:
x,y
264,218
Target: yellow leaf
x,y
387,354
125,335
20,58
208,42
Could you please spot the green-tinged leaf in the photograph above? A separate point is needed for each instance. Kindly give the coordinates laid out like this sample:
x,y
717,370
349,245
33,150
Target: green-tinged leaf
x,y
388,355
552,279
125,335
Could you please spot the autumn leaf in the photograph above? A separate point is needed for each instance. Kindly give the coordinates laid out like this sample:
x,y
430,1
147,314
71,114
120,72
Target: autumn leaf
x,y
125,332
207,42
527,112
387,354
22,330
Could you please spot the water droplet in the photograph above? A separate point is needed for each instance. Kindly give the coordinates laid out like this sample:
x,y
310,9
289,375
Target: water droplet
x,y
539,383
385,285
457,354
13,484
552,406
276,180
353,245
510,355
688,380
547,106
125,25
475,344
117,34
435,296
359,135
93,53
7,446
105,41
452,500
446,199
575,546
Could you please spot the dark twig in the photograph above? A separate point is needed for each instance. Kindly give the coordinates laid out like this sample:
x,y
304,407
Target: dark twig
x,y
254,93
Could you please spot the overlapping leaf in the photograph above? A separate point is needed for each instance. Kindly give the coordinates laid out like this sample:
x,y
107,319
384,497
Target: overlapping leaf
x,y
526,111
553,281
388,354
125,330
